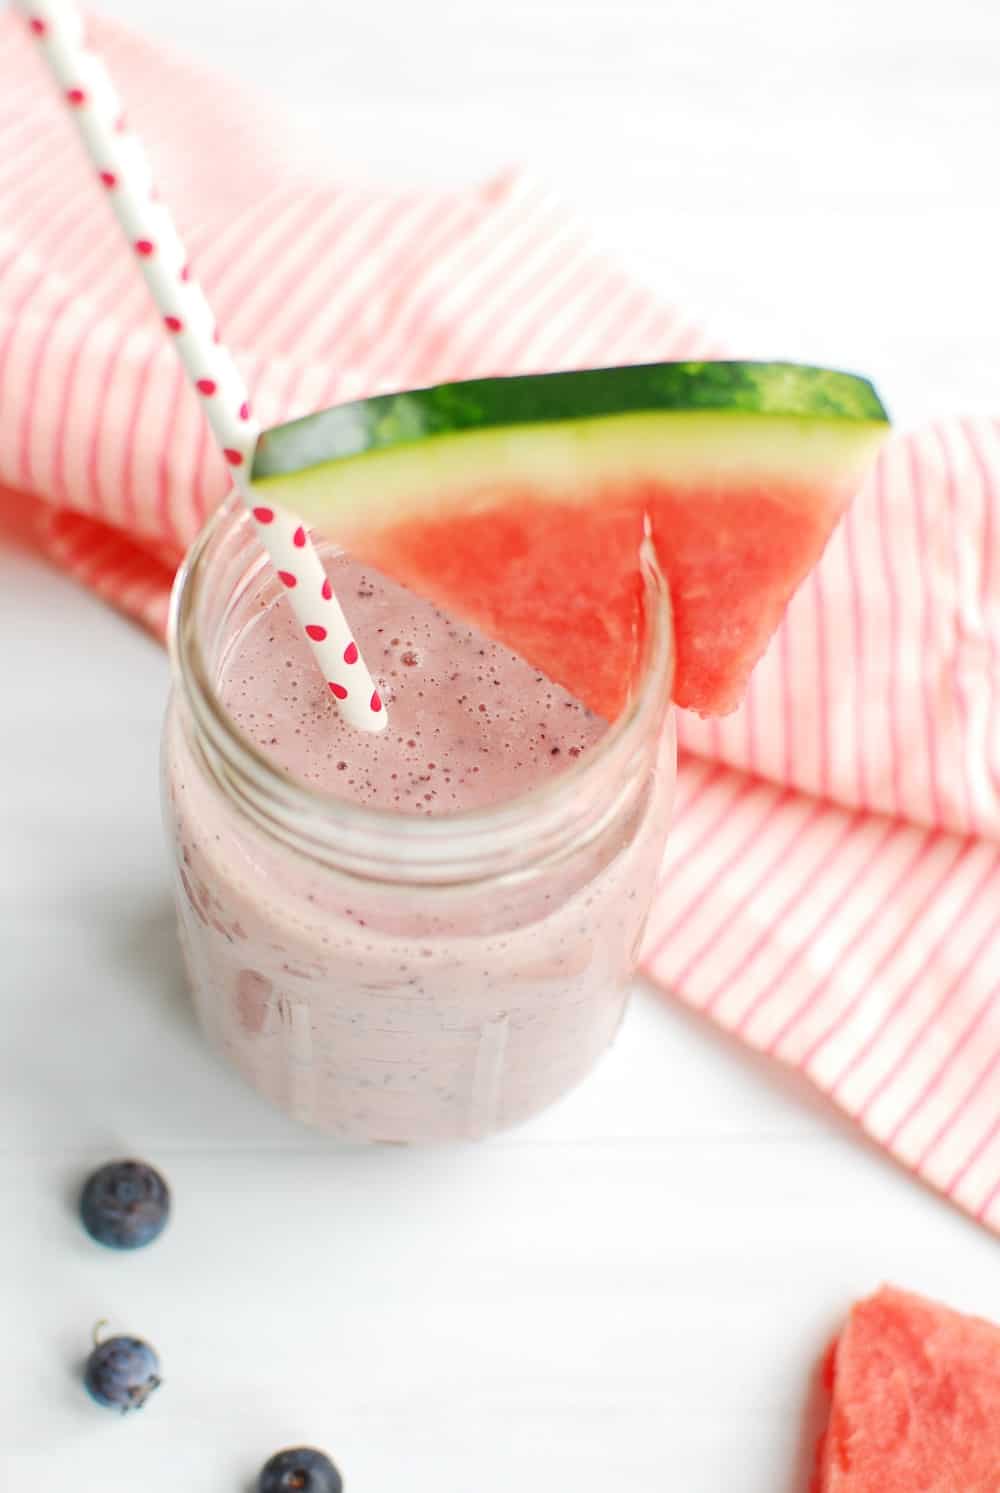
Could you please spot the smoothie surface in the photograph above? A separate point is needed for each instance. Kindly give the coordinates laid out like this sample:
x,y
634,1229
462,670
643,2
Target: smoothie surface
x,y
470,723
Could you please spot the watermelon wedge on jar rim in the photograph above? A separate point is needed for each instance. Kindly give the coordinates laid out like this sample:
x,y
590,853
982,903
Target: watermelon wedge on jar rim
x,y
519,504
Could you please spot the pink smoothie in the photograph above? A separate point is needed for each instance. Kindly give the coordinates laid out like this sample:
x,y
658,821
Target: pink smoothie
x,y
471,724
366,1005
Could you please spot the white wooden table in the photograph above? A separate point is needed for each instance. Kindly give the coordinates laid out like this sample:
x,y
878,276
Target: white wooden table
x,y
629,1294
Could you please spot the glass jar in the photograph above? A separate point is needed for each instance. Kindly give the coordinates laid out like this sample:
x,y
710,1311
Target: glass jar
x,y
388,977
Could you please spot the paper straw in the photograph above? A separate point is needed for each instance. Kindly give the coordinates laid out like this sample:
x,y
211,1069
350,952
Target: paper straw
x,y
124,172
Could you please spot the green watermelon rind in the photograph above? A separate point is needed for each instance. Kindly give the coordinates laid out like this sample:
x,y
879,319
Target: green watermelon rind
x,y
387,421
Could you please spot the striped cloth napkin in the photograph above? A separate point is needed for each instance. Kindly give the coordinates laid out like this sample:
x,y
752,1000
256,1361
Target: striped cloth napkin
x,y
831,893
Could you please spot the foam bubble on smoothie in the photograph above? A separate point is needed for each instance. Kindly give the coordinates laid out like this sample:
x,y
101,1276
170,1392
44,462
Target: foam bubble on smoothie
x,y
470,723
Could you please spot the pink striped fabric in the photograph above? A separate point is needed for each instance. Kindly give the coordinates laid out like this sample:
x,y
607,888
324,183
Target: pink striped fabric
x,y
831,893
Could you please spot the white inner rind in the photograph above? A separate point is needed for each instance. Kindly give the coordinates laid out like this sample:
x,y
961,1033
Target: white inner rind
x,y
565,462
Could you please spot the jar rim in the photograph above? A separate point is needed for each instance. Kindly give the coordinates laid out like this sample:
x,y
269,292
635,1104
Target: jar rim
x,y
244,759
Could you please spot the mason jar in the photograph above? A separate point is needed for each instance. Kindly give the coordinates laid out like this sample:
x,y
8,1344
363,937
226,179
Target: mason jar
x,y
392,977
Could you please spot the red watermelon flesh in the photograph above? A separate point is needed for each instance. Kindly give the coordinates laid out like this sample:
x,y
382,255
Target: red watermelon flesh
x,y
915,1401
566,595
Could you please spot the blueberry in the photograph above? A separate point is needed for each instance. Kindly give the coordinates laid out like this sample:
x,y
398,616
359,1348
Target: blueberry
x,y
300,1469
124,1204
122,1372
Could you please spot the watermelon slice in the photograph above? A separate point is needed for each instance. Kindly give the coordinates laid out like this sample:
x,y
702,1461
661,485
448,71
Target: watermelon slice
x,y
916,1401
519,504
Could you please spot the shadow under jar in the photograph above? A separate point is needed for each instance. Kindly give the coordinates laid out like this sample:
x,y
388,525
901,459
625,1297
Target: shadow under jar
x,y
425,935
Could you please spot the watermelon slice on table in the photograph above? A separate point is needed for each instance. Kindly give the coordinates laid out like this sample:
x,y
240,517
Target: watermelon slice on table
x,y
916,1401
519,505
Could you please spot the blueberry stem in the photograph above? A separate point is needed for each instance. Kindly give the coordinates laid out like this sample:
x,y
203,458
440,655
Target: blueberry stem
x,y
96,1334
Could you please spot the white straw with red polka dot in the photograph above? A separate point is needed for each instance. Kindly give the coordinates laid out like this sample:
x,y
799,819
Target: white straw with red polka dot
x,y
124,171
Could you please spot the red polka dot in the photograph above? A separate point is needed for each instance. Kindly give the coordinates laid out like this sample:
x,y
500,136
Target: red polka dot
x,y
234,458
206,386
216,336
338,690
76,97
186,273
351,653
173,324
145,247
38,26
287,579
376,702
314,631
327,590
120,124
245,415
299,538
109,179
264,515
